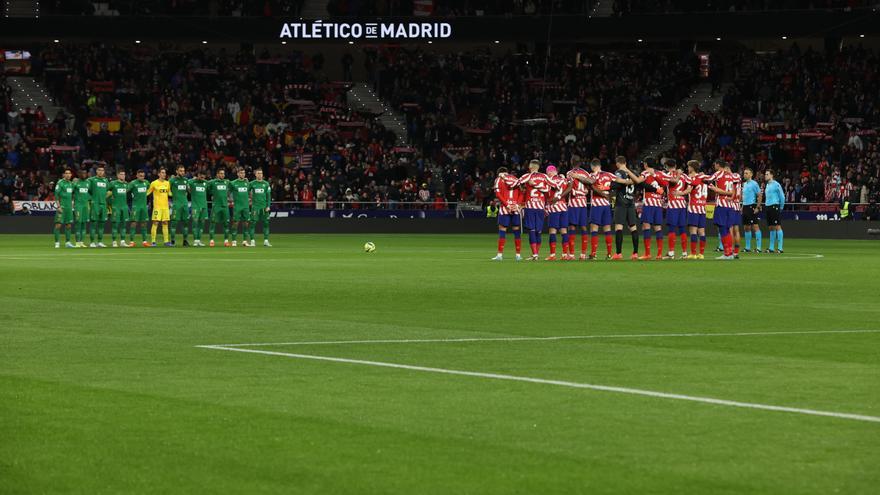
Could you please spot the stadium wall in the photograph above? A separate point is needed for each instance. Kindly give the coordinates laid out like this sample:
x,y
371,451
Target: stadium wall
x,y
796,229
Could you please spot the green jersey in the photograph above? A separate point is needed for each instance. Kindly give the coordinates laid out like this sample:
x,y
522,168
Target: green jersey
x,y
119,195
198,193
178,191
99,187
219,190
138,189
240,193
262,194
82,193
64,194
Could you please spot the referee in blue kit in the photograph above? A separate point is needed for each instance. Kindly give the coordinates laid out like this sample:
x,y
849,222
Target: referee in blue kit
x,y
774,200
751,207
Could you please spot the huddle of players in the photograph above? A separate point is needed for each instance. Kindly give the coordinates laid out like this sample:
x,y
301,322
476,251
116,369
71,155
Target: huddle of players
x,y
84,205
680,194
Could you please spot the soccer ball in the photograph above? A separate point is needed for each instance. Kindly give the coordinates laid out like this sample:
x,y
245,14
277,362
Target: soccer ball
x,y
369,247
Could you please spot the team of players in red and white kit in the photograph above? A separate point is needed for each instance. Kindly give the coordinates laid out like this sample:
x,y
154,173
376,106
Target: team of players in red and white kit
x,y
670,196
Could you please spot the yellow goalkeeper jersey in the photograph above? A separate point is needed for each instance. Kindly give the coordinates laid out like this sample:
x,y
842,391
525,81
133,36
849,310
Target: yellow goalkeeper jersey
x,y
160,189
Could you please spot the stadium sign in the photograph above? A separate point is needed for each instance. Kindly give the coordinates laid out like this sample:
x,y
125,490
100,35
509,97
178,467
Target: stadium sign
x,y
36,207
320,30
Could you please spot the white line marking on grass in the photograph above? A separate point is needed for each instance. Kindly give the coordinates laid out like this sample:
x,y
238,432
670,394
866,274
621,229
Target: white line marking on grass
x,y
551,338
561,383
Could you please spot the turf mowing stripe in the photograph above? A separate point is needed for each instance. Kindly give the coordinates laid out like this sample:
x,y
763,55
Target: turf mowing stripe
x,y
559,337
603,388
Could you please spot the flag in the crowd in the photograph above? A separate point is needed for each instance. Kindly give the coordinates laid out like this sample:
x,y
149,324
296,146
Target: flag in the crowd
x,y
423,8
96,124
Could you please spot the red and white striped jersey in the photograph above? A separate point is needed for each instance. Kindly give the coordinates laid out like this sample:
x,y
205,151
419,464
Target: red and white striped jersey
x,y
534,194
726,181
677,187
603,183
507,193
737,193
653,180
556,202
578,196
699,193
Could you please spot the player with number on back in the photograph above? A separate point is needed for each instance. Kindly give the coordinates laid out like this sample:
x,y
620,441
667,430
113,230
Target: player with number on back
x,y
676,210
261,196
724,191
578,211
696,210
509,197
535,185
653,203
600,205
557,212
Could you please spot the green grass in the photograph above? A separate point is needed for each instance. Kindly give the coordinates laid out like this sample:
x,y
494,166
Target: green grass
x,y
103,390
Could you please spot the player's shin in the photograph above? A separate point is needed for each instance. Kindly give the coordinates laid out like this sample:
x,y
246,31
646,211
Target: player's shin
x,y
779,238
266,233
702,243
165,235
552,237
659,242
646,238
618,241
517,240
684,240
635,240
173,231
502,238
114,230
608,242
56,232
748,237
758,240
153,230
772,245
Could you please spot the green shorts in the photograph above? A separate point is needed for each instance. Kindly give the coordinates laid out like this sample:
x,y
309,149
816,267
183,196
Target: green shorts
x,y
64,216
181,213
220,215
241,215
119,215
259,215
81,214
139,214
99,213
199,214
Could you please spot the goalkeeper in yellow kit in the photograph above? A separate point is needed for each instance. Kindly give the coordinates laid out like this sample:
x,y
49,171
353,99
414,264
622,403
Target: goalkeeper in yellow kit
x,y
161,190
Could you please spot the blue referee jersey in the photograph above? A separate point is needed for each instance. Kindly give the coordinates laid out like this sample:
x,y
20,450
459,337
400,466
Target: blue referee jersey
x,y
751,189
773,194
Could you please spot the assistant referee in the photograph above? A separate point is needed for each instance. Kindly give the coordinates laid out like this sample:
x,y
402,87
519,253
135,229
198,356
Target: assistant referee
x,y
751,208
774,199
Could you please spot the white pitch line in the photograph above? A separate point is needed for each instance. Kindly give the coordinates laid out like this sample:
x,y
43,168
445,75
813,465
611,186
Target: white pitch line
x,y
561,383
551,338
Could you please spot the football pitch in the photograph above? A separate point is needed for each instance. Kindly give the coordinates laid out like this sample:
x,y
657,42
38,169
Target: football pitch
x,y
313,367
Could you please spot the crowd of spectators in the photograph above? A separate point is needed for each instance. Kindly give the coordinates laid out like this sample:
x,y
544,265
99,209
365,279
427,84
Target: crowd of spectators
x,y
458,8
625,7
812,116
210,8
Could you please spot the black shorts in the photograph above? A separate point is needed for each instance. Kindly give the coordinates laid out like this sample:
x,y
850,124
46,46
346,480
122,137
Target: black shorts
x,y
750,216
625,215
773,216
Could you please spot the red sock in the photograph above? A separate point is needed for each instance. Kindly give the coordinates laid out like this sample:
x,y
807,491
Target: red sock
x,y
518,244
735,249
501,242
694,247
594,244
702,246
684,242
565,247
534,247
585,239
659,246
727,242
552,248
672,242
647,246
608,242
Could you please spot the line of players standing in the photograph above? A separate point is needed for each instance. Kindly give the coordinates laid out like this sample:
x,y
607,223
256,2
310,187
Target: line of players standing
x,y
670,196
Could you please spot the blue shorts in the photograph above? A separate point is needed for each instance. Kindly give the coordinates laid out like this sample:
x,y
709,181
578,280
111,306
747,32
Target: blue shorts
x,y
533,219
736,218
558,220
676,217
697,220
652,215
578,216
600,215
511,220
722,216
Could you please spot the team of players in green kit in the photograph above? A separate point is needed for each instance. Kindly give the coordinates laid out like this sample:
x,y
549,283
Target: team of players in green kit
x,y
85,203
